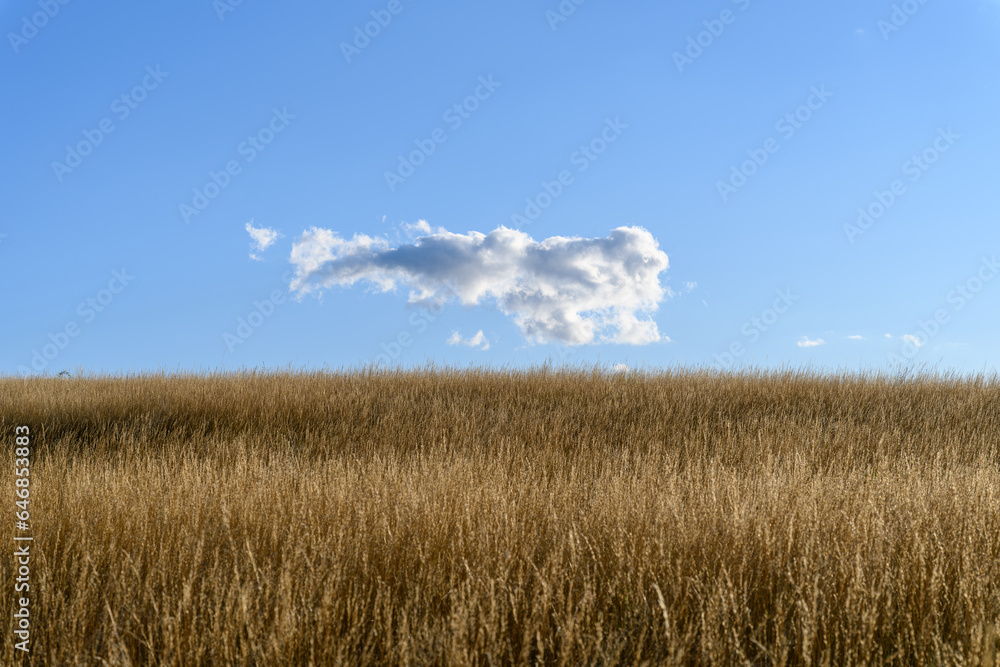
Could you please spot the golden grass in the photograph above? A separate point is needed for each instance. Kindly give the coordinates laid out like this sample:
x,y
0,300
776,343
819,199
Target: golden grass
x,y
509,517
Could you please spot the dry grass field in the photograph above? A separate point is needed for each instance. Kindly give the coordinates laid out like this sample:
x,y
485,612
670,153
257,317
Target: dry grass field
x,y
508,517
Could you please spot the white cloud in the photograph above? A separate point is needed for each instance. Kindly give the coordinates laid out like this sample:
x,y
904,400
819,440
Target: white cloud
x,y
856,337
620,368
913,340
420,227
567,289
261,238
809,342
888,335
477,341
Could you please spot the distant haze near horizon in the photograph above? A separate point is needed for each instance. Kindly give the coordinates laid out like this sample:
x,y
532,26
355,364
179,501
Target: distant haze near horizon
x,y
218,185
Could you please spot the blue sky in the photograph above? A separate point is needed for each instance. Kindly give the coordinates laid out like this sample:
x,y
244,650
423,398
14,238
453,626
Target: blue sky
x,y
738,139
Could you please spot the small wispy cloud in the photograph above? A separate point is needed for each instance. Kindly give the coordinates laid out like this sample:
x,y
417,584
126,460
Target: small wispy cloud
x,y
686,288
419,228
478,341
913,340
806,341
888,335
261,238
856,337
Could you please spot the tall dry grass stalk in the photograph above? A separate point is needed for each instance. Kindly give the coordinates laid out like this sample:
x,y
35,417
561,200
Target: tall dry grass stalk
x,y
509,517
